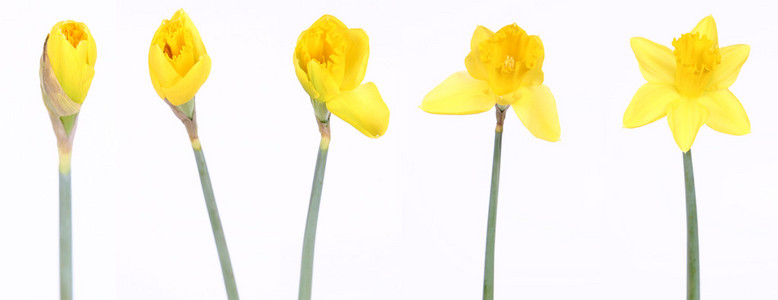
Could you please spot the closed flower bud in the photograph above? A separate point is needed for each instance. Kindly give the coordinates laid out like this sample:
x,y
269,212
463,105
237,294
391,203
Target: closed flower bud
x,y
178,62
67,67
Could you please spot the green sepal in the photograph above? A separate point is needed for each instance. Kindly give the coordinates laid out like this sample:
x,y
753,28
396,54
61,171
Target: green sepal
x,y
321,111
187,108
68,122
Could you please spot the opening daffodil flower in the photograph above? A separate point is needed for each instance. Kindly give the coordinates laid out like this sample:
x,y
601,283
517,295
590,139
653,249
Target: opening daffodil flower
x,y
330,61
503,68
689,85
178,62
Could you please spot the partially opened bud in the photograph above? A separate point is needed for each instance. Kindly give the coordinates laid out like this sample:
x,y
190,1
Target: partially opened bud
x,y
67,67
178,62
330,61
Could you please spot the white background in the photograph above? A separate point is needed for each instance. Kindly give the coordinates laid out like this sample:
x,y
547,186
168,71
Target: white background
x,y
599,215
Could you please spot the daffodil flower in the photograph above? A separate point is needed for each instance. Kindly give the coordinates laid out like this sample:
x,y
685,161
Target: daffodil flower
x,y
178,67
503,68
71,53
66,71
67,67
178,62
330,61
690,85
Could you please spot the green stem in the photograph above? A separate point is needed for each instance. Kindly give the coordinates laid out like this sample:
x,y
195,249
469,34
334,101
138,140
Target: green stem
x,y
692,237
65,229
309,241
216,224
492,221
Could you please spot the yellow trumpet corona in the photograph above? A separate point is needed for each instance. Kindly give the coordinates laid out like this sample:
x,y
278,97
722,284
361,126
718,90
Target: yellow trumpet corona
x,y
330,61
178,62
503,68
689,85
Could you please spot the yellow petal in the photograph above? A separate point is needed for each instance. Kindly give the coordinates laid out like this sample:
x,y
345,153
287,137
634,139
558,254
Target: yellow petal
x,y
72,72
649,104
87,72
357,52
475,67
536,109
162,73
481,34
186,88
322,81
86,48
533,77
732,59
363,108
685,118
707,27
178,61
186,57
197,41
304,80
459,94
71,66
657,62
726,114
56,100
540,52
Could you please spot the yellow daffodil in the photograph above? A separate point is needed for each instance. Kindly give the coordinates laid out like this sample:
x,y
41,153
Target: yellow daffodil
x,y
330,61
178,62
179,65
67,67
503,68
689,84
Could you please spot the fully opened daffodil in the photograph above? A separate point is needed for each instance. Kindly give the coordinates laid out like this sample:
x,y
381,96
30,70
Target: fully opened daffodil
x,y
690,85
330,61
504,69
67,67
178,66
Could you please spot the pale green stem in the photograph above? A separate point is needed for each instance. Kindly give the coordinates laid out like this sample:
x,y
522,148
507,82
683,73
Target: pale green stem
x,y
692,237
491,225
216,224
65,228
309,241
